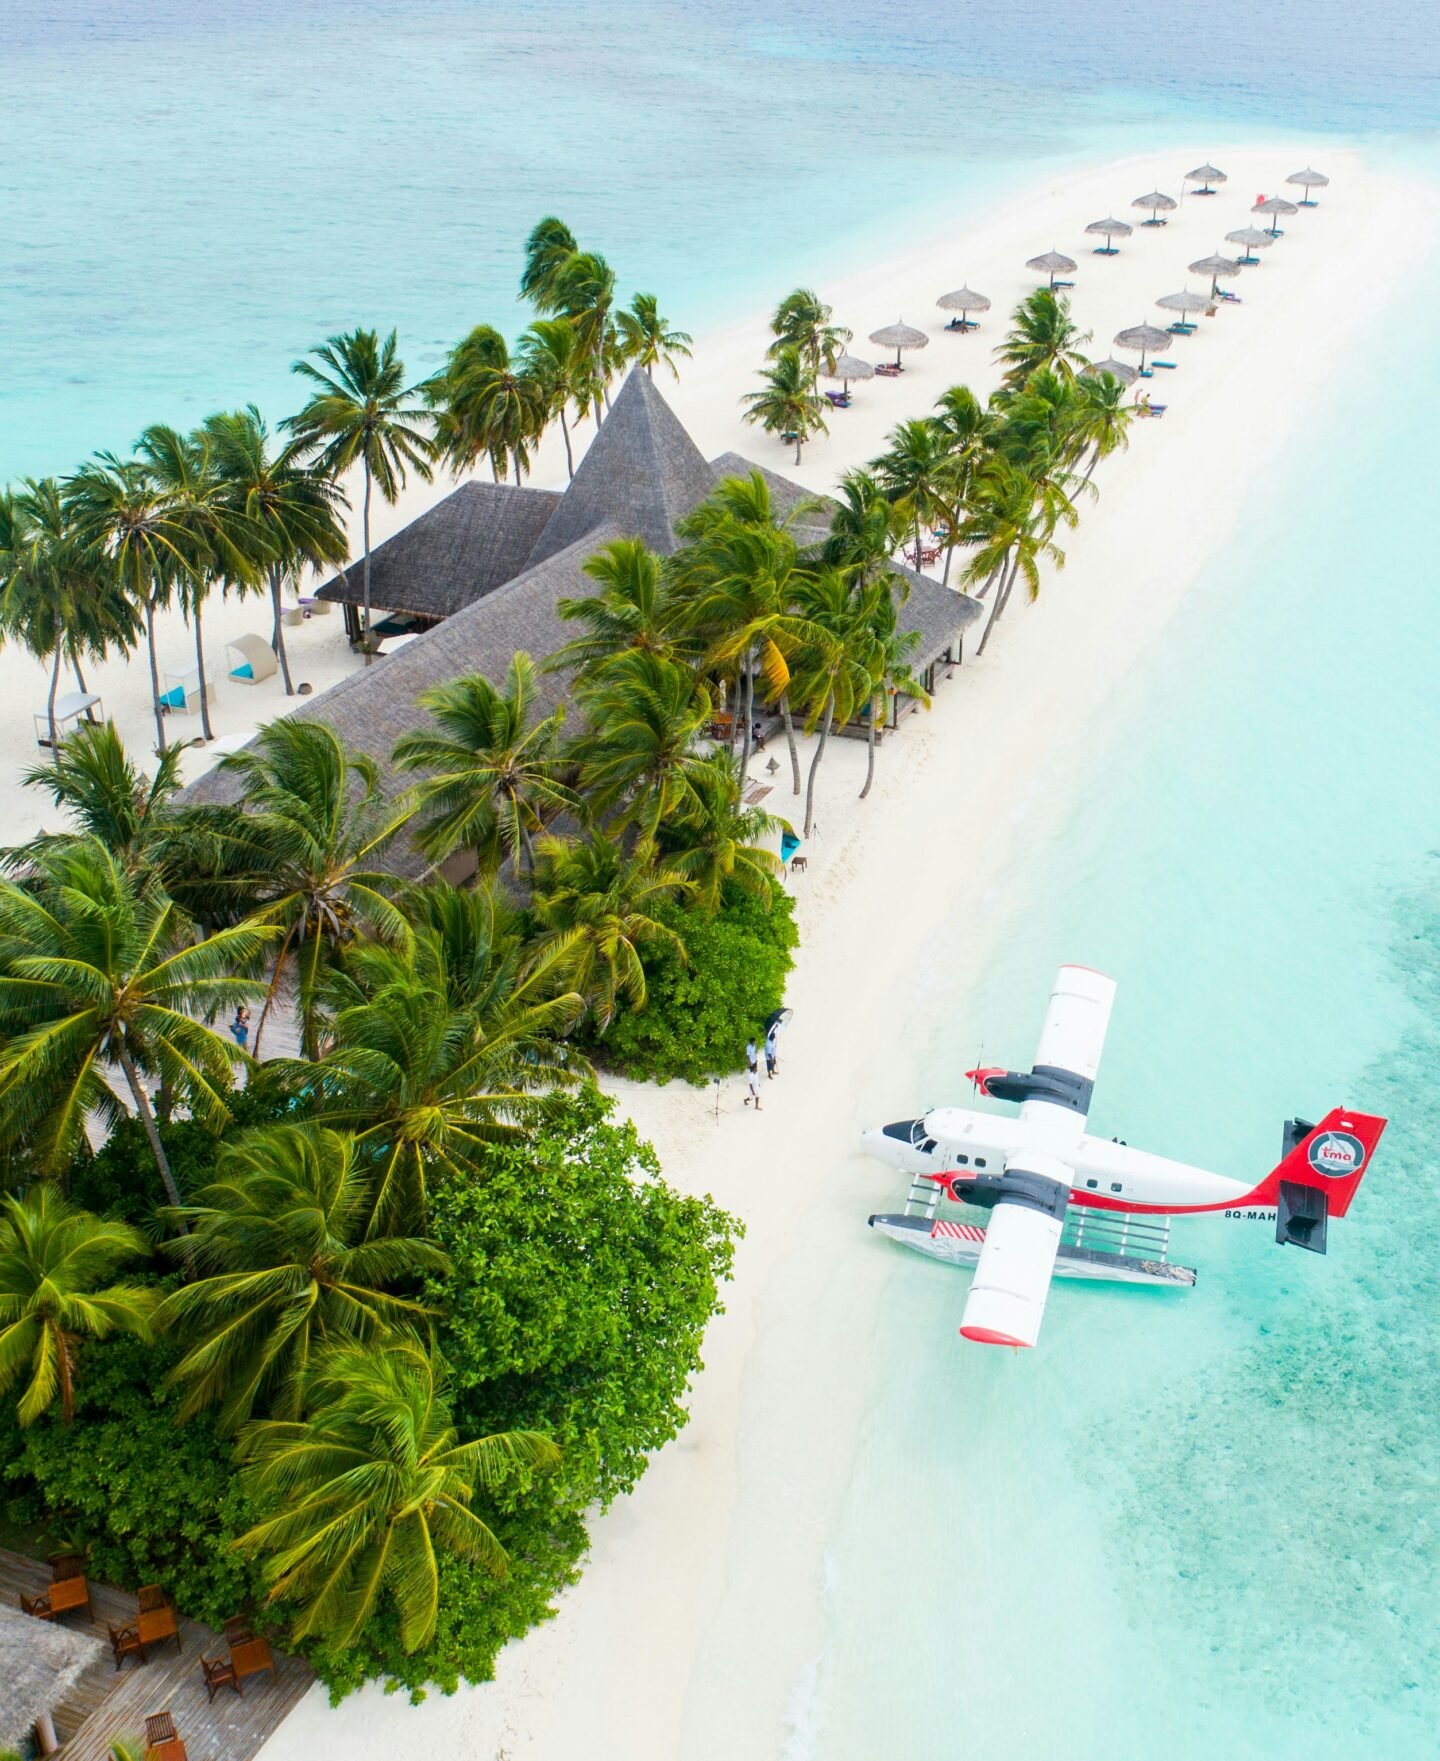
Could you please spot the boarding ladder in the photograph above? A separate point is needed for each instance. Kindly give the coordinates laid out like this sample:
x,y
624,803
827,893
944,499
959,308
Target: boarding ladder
x,y
923,1198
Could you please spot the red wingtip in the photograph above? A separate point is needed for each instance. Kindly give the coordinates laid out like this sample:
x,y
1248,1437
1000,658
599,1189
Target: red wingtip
x,y
986,1336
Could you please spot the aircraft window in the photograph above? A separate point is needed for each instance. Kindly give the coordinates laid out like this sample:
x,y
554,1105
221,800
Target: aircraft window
x,y
927,1146
962,1161
1092,1182
979,1161
1115,1186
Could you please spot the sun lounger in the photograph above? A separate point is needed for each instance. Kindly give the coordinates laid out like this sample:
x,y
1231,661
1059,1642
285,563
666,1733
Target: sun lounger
x,y
1170,365
961,324
254,659
1178,329
1062,284
1231,299
1151,409
181,695
888,370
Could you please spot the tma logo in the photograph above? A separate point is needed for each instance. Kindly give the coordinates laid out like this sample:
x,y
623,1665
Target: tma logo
x,y
1335,1153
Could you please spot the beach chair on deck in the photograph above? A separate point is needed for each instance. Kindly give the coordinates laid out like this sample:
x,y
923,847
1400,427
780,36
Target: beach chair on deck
x,y
254,659
1062,284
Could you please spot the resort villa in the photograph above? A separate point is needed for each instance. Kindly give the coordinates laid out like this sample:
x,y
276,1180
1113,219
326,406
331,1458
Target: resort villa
x,y
480,576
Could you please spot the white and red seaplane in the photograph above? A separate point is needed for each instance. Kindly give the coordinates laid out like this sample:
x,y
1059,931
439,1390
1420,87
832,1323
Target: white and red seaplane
x,y
1065,1204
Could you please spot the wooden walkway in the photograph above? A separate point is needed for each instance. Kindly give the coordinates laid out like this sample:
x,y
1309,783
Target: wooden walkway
x,y
106,1703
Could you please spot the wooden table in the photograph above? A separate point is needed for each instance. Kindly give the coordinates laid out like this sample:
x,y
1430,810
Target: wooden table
x,y
156,1624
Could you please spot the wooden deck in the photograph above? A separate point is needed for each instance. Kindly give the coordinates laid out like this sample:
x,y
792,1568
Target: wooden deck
x,y
106,1703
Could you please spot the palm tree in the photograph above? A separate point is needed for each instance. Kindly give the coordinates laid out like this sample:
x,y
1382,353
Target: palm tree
x,y
1042,335
553,360
314,823
292,511
788,404
549,247
362,411
965,427
1011,534
802,321
219,545
584,290
366,1489
121,509
440,1048
886,659
634,609
279,1264
96,969
1102,418
714,844
494,774
917,474
832,672
593,904
57,595
643,719
56,1263
646,338
485,408
110,800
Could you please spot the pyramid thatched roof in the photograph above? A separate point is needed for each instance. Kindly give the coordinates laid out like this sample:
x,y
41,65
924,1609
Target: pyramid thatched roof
x,y
463,548
642,473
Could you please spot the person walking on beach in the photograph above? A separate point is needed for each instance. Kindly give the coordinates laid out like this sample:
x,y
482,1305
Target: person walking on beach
x,y
772,1050
752,1055
240,1026
752,1083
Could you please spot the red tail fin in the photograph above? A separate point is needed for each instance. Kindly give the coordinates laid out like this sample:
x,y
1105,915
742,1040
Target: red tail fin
x,y
1332,1157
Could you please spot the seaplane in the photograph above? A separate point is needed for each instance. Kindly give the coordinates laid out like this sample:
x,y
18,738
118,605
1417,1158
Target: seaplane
x,y
1062,1203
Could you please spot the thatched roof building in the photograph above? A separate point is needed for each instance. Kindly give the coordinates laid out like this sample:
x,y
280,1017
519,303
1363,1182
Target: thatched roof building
x,y
641,476
40,1662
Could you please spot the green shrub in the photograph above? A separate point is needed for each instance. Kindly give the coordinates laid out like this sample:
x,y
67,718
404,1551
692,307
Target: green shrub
x,y
698,1016
580,1289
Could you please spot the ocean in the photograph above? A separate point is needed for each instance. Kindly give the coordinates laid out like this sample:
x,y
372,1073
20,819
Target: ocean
x,y
1194,1526
194,195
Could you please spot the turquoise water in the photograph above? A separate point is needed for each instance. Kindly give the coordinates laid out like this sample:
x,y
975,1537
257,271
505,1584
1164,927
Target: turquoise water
x,y
1202,1525
1186,1528
193,195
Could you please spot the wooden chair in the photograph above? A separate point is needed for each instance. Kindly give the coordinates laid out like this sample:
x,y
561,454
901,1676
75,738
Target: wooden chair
x,y
250,1658
39,1606
219,1672
125,1641
149,1597
162,1740
238,1630
66,1565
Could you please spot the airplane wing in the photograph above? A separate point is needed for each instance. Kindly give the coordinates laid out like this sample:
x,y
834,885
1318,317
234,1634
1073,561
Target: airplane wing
x,y
1007,1296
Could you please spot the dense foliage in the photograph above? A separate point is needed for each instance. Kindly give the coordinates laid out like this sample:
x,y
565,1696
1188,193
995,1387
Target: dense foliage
x,y
700,1011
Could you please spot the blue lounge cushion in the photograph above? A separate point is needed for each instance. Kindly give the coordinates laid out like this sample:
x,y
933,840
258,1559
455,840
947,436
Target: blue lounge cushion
x,y
173,699
243,671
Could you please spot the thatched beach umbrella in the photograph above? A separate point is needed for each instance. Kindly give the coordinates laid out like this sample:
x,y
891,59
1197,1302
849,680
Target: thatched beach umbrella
x,y
1110,229
1157,204
1206,175
848,367
899,336
1051,264
1144,337
1116,369
1309,180
1275,206
1184,301
963,300
1215,267
1253,240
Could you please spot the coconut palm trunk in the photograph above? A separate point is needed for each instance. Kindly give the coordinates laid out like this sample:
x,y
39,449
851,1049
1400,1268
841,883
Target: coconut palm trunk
x,y
277,580
365,519
876,704
205,727
790,740
152,1130
80,684
749,713
815,765
154,674
54,689
569,452
1002,594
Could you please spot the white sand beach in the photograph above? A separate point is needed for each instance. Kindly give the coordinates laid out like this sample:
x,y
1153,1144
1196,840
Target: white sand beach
x,y
698,1612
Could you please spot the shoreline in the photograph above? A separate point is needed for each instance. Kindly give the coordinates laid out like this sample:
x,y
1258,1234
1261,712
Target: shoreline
x,y
703,1605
